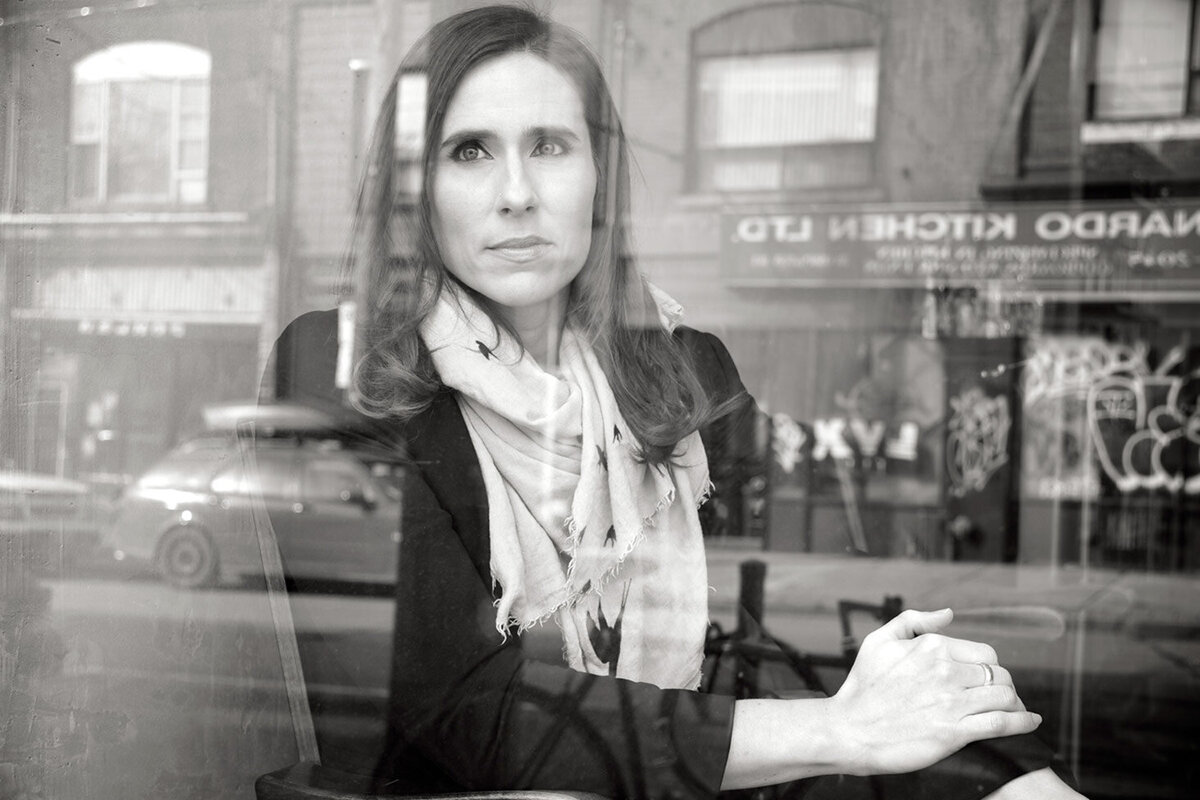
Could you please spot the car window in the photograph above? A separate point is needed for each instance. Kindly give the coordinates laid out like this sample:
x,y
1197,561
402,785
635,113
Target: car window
x,y
191,465
389,478
272,477
327,479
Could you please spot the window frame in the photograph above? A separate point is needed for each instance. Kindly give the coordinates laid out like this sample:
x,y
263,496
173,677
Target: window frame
x,y
1190,107
177,176
693,183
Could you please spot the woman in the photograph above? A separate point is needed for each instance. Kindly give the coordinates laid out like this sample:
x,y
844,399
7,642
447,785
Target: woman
x,y
562,432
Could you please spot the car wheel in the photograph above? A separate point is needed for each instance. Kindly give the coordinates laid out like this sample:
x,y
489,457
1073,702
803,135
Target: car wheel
x,y
187,558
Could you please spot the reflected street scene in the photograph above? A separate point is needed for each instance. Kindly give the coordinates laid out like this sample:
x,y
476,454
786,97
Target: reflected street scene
x,y
344,450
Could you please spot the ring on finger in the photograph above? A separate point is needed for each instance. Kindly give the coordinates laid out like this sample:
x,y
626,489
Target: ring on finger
x,y
989,676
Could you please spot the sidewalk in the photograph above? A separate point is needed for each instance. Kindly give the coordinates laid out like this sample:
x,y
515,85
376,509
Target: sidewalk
x,y
1142,605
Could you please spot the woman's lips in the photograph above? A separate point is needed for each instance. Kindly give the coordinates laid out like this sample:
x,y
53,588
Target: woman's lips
x,y
523,248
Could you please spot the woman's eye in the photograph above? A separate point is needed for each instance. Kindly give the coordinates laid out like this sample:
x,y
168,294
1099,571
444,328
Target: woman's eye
x,y
548,148
468,151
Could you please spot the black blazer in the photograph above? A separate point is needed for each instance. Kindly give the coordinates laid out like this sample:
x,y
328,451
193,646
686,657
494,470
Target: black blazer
x,y
469,710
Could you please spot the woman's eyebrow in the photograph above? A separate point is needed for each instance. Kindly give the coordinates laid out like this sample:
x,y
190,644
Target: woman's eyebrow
x,y
457,137
557,131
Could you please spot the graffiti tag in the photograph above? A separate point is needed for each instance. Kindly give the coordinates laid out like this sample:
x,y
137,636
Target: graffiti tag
x,y
1145,428
977,444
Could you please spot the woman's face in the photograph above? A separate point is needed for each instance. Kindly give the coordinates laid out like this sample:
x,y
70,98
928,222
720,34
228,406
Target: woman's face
x,y
514,184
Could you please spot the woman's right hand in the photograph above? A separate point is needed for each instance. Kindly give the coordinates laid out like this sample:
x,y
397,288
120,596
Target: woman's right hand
x,y
915,696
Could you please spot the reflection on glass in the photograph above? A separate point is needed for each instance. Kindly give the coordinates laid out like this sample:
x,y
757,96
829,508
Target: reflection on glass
x,y
140,123
1142,58
973,343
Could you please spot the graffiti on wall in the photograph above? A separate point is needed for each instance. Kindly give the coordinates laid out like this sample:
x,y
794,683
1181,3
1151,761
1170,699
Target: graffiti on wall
x,y
977,442
1145,427
1056,376
1066,366
1092,406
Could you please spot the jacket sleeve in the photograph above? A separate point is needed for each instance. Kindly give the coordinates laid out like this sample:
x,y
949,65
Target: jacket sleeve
x,y
470,710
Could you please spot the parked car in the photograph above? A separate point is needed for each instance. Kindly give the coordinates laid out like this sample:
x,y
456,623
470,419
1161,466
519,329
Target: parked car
x,y
47,521
334,509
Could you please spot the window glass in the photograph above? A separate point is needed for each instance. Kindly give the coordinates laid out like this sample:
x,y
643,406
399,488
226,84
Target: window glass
x,y
410,131
1142,58
794,98
190,469
86,133
787,120
950,251
193,139
193,99
85,170
272,478
328,480
139,148
191,155
410,112
140,119
87,109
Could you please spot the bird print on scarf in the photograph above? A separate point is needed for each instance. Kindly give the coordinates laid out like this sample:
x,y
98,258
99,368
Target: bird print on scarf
x,y
605,638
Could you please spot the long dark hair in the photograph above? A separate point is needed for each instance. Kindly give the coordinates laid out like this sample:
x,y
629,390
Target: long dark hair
x,y
395,258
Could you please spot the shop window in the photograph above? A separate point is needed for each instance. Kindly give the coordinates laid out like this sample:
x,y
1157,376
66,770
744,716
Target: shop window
x,y
781,112
140,124
1147,62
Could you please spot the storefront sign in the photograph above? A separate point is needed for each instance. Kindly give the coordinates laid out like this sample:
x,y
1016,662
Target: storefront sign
x,y
1040,245
841,438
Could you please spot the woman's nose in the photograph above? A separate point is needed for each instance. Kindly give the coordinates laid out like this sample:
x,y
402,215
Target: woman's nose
x,y
517,194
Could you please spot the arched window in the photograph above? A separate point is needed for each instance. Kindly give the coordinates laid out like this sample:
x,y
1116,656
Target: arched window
x,y
139,124
785,98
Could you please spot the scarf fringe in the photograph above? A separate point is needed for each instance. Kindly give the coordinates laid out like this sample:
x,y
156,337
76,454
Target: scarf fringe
x,y
573,532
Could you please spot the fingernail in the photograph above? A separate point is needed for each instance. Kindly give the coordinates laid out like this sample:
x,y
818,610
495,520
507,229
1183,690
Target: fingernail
x,y
1038,717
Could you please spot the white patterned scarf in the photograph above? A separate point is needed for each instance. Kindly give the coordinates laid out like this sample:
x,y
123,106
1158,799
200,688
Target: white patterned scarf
x,y
581,530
